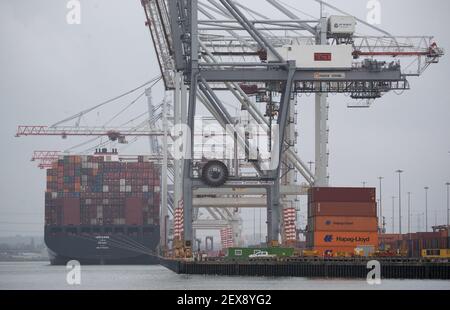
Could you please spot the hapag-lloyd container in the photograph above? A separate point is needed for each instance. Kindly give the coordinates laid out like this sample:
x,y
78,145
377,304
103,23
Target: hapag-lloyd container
x,y
343,223
345,239
347,209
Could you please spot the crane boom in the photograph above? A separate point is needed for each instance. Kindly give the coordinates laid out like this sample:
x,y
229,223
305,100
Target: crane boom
x,y
114,134
45,158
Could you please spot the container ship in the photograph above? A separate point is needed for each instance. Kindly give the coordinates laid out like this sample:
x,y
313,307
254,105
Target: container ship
x,y
102,209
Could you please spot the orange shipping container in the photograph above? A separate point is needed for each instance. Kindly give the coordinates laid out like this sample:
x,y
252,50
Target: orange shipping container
x,y
343,223
345,239
359,209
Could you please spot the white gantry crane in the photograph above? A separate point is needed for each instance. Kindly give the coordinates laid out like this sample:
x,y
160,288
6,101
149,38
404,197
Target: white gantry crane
x,y
211,49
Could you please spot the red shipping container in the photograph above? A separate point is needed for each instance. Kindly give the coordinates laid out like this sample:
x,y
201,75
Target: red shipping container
x,y
133,211
341,194
71,211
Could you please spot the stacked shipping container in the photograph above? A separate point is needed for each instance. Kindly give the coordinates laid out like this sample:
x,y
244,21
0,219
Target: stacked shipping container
x,y
341,220
413,244
94,190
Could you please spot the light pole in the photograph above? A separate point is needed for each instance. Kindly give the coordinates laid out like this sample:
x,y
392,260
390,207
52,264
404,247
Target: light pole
x,y
364,184
448,204
426,208
393,214
418,222
399,201
409,212
381,204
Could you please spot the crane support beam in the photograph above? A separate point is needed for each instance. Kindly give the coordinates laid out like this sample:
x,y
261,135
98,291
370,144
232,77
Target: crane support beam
x,y
261,75
297,190
83,131
241,202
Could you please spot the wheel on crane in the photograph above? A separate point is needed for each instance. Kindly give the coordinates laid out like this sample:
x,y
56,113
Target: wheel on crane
x,y
214,173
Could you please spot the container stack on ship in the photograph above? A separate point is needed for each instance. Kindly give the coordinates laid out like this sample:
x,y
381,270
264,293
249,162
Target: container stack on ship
x,y
102,209
342,221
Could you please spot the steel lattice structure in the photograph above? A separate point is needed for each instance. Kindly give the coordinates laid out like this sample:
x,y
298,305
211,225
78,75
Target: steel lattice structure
x,y
206,47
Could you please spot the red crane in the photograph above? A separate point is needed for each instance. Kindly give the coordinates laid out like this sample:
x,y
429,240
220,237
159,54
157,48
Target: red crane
x,y
114,134
46,158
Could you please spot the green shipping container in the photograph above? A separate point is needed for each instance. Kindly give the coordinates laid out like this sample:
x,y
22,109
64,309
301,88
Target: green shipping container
x,y
244,253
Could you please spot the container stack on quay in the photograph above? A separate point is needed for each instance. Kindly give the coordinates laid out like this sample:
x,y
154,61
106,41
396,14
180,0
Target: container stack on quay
x,y
98,190
412,244
342,221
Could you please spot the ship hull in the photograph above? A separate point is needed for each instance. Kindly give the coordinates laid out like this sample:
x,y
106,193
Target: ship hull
x,y
109,245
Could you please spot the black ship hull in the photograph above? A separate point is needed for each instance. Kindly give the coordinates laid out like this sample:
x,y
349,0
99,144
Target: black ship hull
x,y
109,245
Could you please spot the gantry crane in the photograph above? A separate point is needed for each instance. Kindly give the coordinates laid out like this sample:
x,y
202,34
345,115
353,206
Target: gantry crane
x,y
223,46
45,158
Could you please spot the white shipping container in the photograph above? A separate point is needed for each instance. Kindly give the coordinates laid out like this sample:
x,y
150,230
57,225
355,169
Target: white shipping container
x,y
145,188
344,25
105,188
128,188
54,195
317,56
122,182
157,189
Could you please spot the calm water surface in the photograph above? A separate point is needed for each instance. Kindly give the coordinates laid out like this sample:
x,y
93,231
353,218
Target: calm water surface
x,y
40,275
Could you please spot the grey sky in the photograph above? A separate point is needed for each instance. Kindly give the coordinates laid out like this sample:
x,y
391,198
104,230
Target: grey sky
x,y
51,70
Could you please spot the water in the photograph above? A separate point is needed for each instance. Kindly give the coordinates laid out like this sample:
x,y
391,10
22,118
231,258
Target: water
x,y
41,275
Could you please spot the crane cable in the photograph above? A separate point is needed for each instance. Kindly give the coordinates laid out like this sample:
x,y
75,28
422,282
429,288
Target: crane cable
x,y
78,115
115,116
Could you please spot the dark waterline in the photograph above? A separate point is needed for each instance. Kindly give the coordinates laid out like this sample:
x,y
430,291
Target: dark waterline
x,y
41,275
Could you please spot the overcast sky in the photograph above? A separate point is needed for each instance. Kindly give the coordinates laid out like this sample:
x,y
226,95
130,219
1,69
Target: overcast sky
x,y
51,70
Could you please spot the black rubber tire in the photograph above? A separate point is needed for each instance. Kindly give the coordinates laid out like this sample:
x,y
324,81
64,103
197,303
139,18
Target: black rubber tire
x,y
215,173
